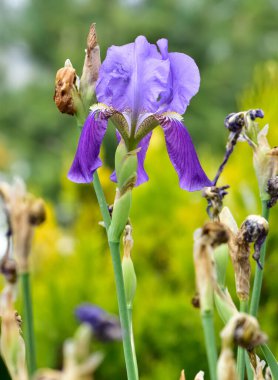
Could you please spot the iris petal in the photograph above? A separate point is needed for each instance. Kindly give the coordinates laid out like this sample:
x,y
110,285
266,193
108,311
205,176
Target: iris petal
x,y
132,77
183,156
86,160
183,82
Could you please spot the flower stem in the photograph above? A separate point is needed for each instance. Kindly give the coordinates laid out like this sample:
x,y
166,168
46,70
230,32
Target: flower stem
x,y
240,350
208,326
123,312
28,319
129,308
256,293
271,361
129,351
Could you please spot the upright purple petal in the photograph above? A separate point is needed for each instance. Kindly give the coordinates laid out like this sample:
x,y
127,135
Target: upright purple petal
x,y
183,155
86,159
132,77
183,82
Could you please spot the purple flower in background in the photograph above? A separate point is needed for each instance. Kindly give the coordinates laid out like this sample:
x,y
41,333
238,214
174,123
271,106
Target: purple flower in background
x,y
141,86
105,326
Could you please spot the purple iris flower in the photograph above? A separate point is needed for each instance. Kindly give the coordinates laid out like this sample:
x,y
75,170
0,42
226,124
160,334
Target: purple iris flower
x,y
141,86
105,326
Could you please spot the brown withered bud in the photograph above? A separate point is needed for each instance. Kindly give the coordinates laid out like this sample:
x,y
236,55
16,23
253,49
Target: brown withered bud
x,y
91,67
206,239
24,212
243,330
214,196
254,230
272,190
37,212
8,269
65,84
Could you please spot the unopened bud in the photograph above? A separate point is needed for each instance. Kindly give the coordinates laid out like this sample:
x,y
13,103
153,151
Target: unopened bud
x,y
126,167
120,216
130,281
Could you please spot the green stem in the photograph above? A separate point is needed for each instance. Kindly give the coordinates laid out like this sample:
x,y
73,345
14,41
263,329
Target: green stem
x,y
124,318
28,322
250,374
256,293
208,326
129,309
240,350
271,361
129,351
101,201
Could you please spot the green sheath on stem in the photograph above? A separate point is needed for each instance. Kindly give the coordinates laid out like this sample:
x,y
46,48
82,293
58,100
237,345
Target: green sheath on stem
x,y
28,322
208,326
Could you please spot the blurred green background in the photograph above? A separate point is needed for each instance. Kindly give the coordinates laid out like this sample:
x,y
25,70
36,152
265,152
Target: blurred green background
x,y
235,46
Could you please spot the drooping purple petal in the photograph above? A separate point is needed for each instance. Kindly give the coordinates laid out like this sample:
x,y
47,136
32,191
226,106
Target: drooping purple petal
x,y
183,82
106,327
183,155
132,77
86,159
142,176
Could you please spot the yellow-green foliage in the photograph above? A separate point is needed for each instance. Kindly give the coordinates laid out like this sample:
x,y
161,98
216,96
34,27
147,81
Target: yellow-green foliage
x,y
72,265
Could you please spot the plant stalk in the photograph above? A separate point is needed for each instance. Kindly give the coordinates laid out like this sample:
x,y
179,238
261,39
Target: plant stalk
x,y
129,308
28,322
123,312
208,326
240,350
128,344
257,286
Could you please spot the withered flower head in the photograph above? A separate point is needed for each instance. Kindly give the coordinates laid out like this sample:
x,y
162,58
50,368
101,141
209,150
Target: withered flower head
x,y
206,239
23,213
214,196
254,229
243,330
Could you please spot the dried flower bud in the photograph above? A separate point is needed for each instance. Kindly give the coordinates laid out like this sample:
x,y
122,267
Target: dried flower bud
x,y
254,230
23,213
272,190
199,376
258,370
37,212
8,269
243,330
182,376
91,68
65,84
268,374
214,196
265,162
211,235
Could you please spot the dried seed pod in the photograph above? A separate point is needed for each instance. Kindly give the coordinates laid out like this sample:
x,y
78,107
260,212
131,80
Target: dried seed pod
x,y
65,84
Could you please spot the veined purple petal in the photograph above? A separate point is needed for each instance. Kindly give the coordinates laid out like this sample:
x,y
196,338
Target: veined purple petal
x,y
183,82
183,155
142,176
86,159
132,77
